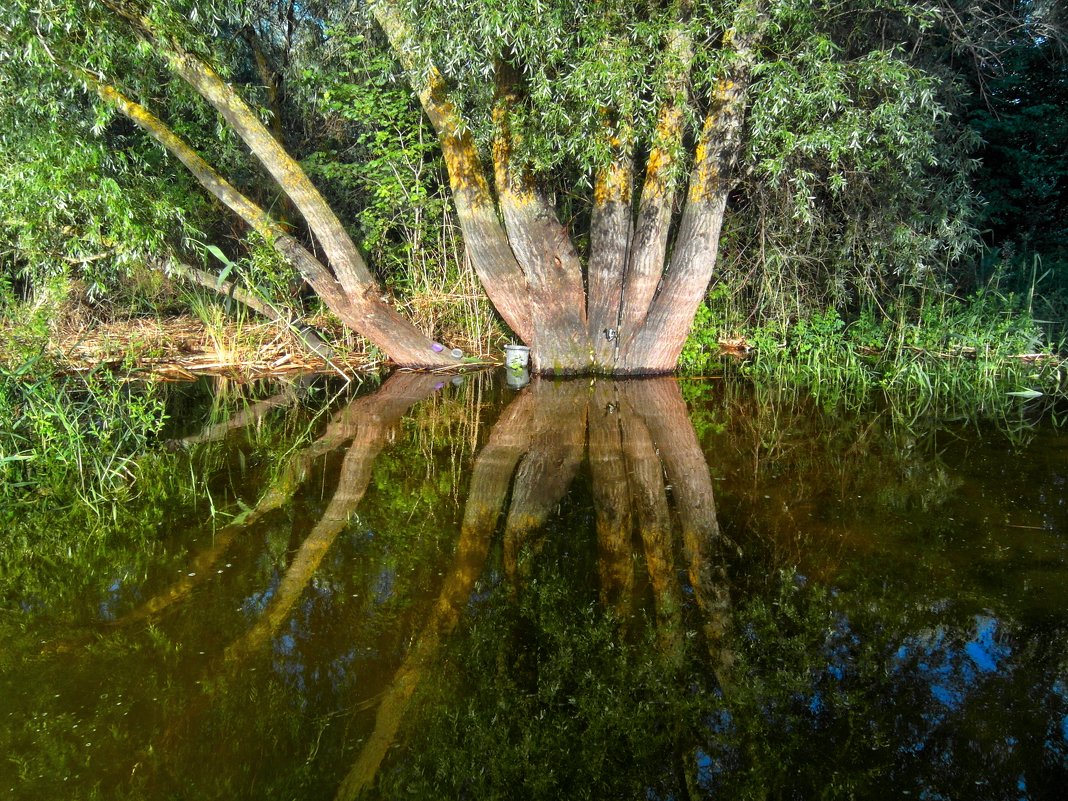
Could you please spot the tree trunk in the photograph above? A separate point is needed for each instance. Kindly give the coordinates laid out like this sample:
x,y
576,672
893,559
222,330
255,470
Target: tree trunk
x,y
641,288
611,228
544,250
655,346
657,203
485,238
350,291
631,310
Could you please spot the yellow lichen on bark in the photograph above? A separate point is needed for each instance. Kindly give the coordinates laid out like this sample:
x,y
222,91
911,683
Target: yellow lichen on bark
x,y
612,184
661,159
201,170
705,178
655,167
516,190
502,147
465,172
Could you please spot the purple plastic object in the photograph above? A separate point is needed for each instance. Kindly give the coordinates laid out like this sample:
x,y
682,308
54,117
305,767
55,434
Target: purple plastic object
x,y
437,347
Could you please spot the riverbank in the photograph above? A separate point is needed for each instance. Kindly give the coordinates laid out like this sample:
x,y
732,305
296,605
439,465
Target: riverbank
x,y
182,348
982,355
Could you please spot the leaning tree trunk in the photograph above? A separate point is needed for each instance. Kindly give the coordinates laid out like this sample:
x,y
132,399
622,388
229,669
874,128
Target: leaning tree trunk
x,y
629,309
346,286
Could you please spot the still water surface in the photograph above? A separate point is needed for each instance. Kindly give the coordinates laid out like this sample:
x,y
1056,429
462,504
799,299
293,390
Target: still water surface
x,y
636,590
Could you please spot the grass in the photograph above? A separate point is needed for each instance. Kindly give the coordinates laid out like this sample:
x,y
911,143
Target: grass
x,y
85,430
442,295
82,429
982,354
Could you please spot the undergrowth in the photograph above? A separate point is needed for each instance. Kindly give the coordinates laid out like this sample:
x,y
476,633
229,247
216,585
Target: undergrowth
x,y
983,352
81,431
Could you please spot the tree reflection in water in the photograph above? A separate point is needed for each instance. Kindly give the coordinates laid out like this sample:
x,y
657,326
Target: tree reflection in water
x,y
577,625
657,687
527,467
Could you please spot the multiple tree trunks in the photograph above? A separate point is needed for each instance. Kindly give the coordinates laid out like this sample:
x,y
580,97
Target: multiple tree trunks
x,y
648,471
626,312
347,286
654,507
631,309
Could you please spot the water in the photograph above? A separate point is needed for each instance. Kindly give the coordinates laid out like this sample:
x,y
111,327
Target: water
x,y
652,589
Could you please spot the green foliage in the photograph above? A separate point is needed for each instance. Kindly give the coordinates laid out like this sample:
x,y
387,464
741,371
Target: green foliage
x,y
85,192
380,164
82,193
1019,113
948,353
1018,108
81,431
701,351
584,66
384,167
859,170
91,209
856,180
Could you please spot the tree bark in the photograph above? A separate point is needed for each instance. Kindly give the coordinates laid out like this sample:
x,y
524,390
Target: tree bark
x,y
650,244
655,346
271,80
484,236
543,249
611,229
366,311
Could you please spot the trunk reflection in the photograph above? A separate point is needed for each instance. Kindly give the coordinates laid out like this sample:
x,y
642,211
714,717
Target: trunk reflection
x,y
536,447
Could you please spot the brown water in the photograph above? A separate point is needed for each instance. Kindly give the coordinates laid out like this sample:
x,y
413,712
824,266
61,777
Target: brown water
x,y
649,589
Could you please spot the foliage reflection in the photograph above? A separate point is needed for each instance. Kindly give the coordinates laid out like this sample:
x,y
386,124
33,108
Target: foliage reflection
x,y
432,596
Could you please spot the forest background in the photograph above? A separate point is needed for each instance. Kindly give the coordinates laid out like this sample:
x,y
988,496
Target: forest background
x,y
892,177
881,220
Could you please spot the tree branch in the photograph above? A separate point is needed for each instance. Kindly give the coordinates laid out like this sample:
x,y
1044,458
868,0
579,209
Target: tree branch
x,y
342,253
229,289
486,240
368,314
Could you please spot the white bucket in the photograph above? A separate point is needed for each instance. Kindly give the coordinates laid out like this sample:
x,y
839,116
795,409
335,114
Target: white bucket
x,y
516,357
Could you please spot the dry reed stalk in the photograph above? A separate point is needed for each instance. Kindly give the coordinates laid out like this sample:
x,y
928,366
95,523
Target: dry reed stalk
x,y
182,348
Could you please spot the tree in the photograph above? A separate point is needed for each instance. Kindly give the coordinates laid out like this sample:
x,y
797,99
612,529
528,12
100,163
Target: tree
x,y
1020,115
591,147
